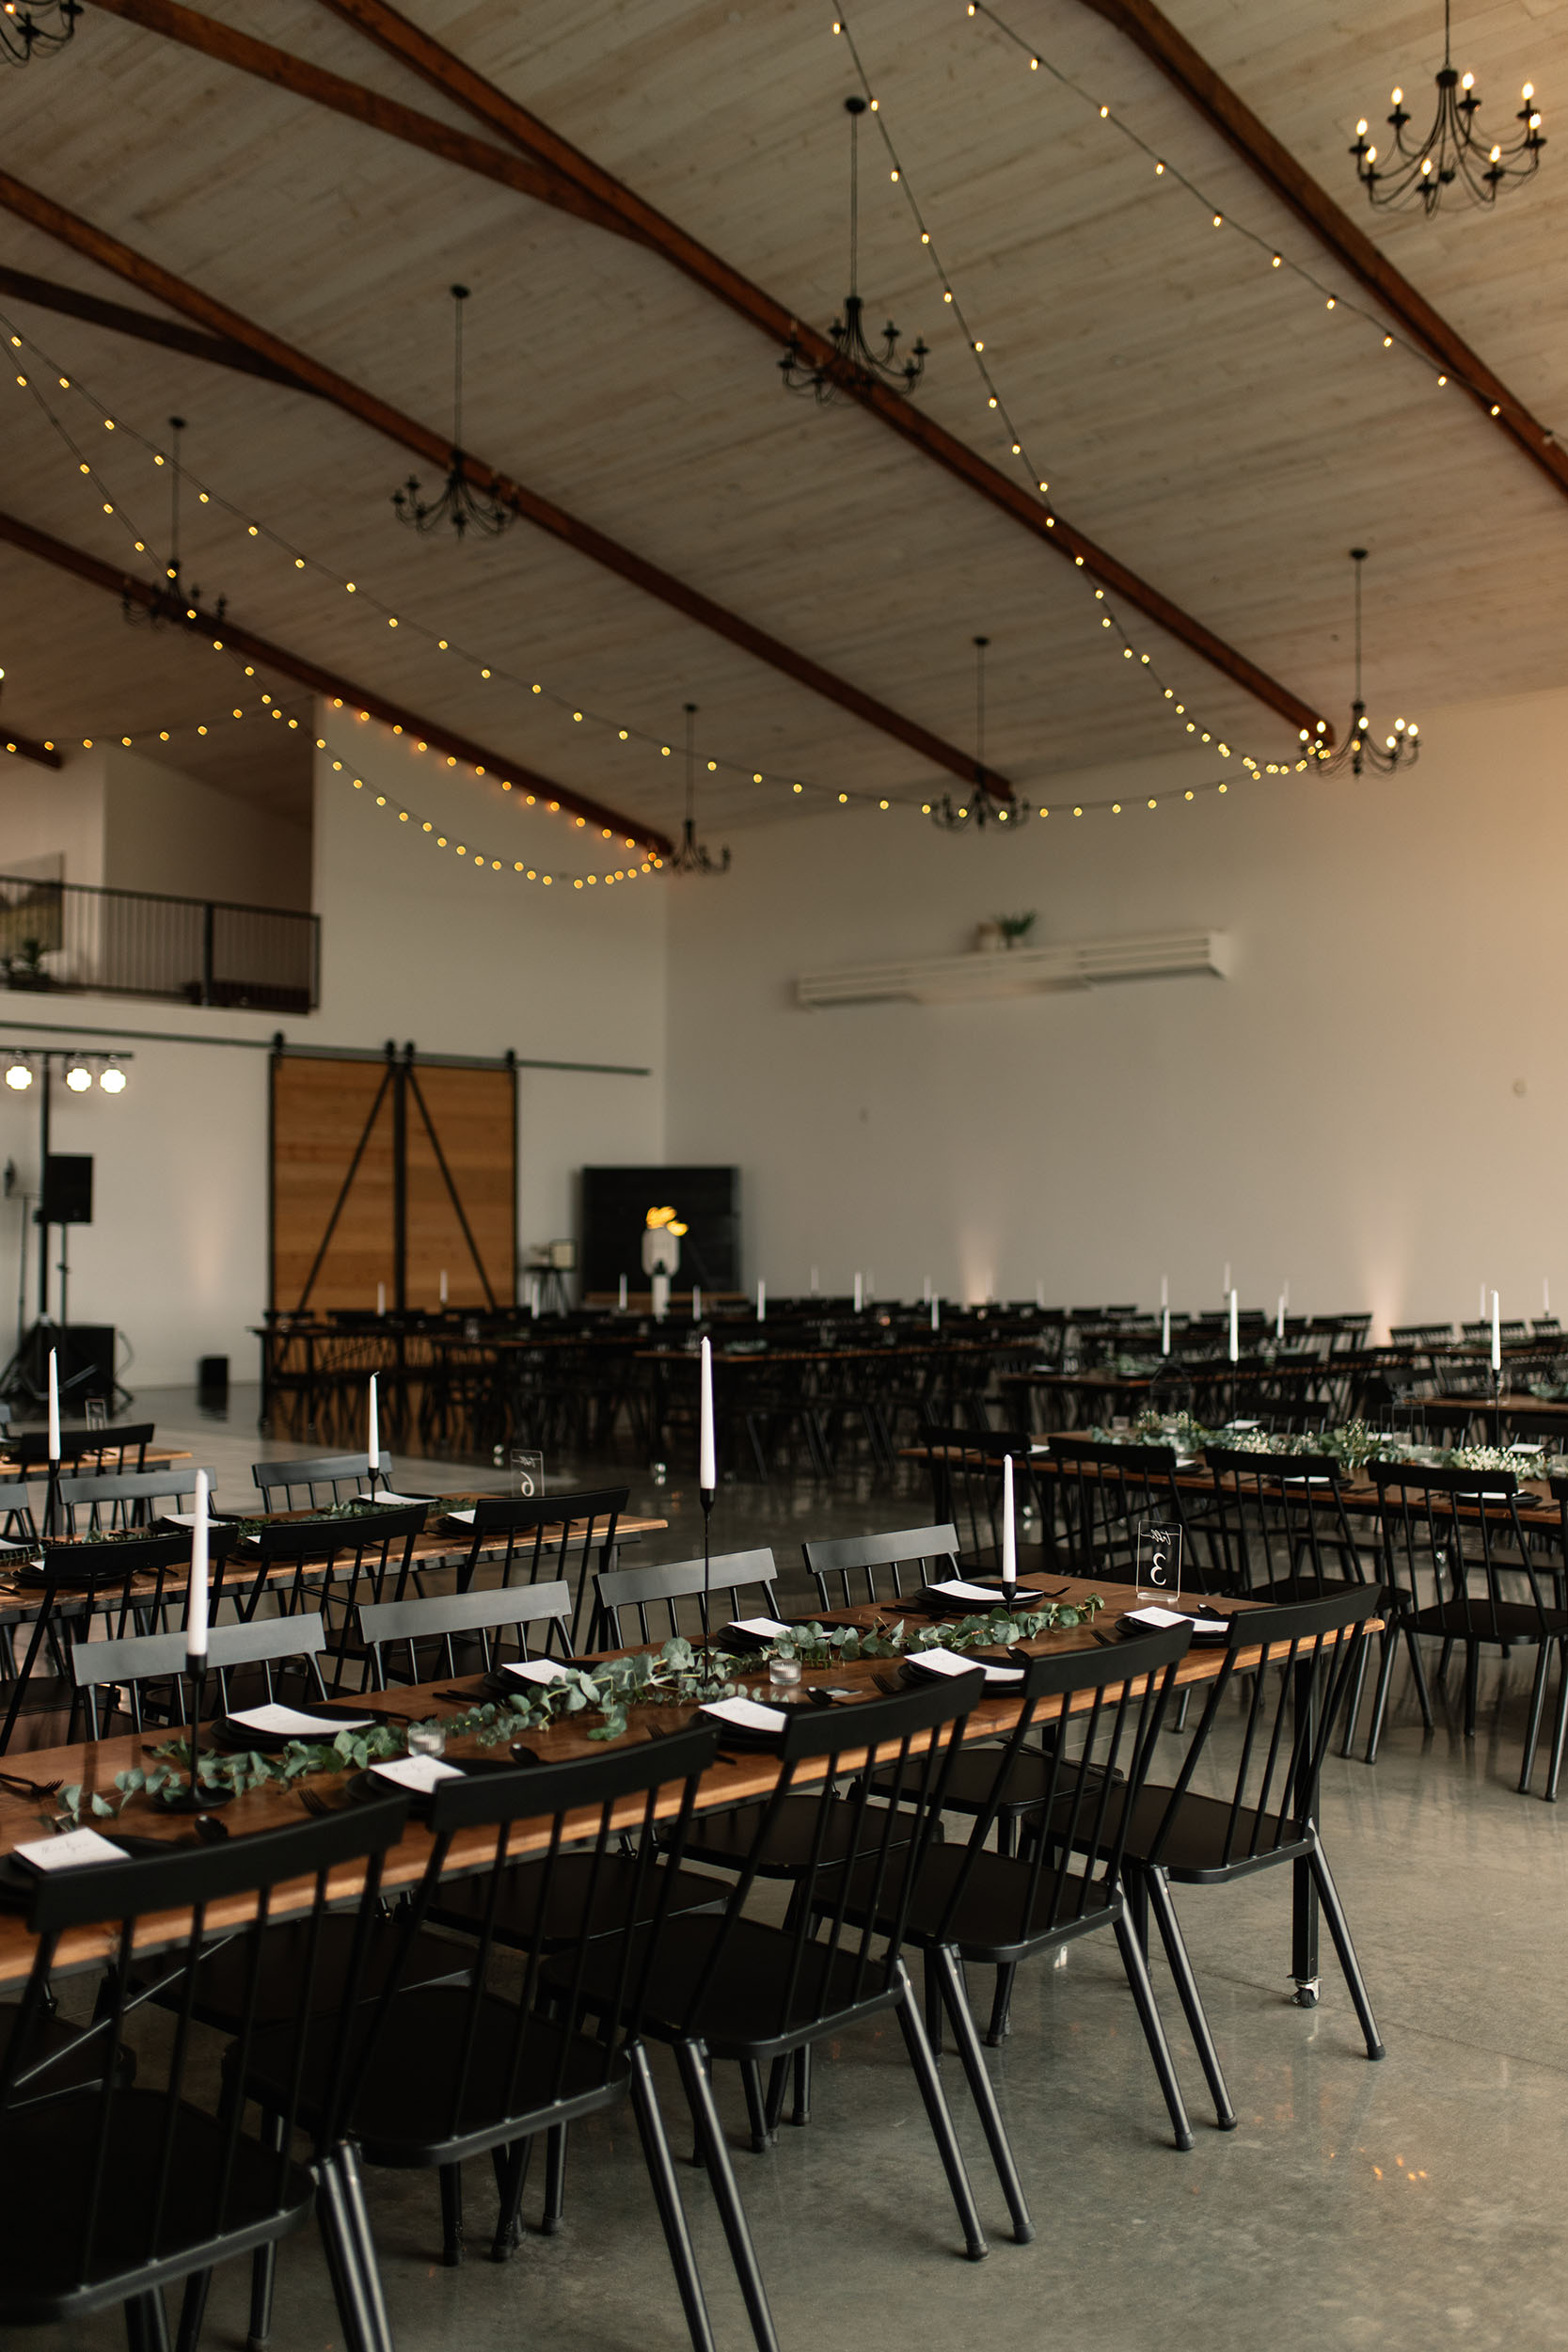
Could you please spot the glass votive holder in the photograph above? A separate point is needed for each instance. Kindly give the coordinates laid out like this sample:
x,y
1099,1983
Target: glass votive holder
x,y
427,1740
784,1673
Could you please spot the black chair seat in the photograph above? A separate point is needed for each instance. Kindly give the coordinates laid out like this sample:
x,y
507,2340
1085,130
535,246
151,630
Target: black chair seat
x,y
464,1902
989,1924
1476,1620
751,1982
1195,1850
237,2198
1287,1589
973,1775
223,1981
726,1839
402,2113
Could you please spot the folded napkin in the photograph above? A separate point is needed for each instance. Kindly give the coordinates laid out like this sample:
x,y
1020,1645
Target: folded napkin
x,y
65,1852
746,1715
947,1661
955,1589
1158,1620
287,1722
418,1772
534,1669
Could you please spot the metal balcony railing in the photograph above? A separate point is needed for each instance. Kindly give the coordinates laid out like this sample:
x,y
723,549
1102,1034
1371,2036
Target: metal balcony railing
x,y
138,943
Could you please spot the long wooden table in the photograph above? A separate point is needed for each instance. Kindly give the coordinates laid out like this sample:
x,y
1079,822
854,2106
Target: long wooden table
x,y
748,1776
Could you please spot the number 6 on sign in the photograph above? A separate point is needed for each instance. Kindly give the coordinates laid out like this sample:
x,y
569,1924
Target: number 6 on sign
x,y
528,1471
1159,1560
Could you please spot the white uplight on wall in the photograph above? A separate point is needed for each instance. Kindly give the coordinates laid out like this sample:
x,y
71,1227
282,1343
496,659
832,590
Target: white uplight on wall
x,y
19,1076
112,1079
78,1078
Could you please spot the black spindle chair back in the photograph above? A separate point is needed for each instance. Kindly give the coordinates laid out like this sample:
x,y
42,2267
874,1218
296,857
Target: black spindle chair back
x,y
412,1641
540,1539
1278,1529
854,1570
1107,1494
640,1605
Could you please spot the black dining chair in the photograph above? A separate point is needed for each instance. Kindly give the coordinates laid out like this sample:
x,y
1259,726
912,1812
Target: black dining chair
x,y
329,1565
120,1499
1266,1811
853,1570
974,1905
1459,1566
1110,1496
135,1581
118,1446
964,1468
534,1540
122,1669
309,1483
727,1987
116,2193
640,1605
439,2073
424,1634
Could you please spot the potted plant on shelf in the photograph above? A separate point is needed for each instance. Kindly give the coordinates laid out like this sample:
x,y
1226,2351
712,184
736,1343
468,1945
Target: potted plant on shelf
x,y
24,969
1014,927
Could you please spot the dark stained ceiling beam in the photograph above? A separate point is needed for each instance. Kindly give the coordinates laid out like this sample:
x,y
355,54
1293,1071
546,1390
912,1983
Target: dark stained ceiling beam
x,y
228,632
110,253
566,166
119,317
27,747
1144,26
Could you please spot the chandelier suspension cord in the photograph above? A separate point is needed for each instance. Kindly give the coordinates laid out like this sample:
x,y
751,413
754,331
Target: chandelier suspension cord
x,y
980,645
690,762
176,426
1360,698
854,202
459,293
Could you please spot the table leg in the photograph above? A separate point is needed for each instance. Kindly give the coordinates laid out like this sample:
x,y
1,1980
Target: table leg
x,y
1304,1935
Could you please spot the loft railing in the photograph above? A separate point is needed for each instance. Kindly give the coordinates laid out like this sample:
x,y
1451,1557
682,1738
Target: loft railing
x,y
62,936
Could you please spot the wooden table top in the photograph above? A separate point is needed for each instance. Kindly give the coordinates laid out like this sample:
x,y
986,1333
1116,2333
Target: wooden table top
x,y
94,1764
152,1457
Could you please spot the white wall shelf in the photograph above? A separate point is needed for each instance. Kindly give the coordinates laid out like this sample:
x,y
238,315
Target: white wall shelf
x,y
1022,971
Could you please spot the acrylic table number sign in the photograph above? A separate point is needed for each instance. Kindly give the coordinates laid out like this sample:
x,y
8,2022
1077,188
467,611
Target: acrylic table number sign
x,y
528,1471
1159,1562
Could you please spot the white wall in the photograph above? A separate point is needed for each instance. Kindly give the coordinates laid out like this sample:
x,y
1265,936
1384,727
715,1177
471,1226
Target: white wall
x,y
165,830
1343,1112
47,810
414,947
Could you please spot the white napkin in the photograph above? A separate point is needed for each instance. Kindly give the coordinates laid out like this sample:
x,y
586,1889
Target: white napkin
x,y
418,1772
947,1661
746,1715
73,1846
1159,1620
385,1495
766,1628
187,1519
464,1517
955,1589
287,1722
534,1669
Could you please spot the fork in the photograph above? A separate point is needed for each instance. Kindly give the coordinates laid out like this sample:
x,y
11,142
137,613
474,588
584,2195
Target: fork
x,y
314,1802
30,1787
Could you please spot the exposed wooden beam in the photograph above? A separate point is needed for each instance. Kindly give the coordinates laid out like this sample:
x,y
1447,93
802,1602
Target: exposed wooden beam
x,y
566,166
445,739
279,66
27,747
1212,98
119,317
110,253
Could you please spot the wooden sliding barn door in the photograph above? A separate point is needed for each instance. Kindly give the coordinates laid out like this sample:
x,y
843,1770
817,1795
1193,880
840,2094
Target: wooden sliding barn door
x,y
392,1171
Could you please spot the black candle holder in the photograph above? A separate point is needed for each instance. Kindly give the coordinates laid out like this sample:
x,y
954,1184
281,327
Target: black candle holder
x,y
196,1799
707,1496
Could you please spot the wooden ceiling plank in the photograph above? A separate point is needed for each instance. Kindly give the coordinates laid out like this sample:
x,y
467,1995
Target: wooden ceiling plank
x,y
1141,22
448,73
111,253
309,673
122,319
230,46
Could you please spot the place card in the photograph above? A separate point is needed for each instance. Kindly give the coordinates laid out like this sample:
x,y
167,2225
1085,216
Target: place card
x,y
418,1773
534,1669
947,1661
1159,1620
955,1588
287,1722
73,1847
746,1715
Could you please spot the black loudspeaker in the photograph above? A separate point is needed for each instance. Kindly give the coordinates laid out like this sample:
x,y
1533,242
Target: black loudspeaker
x,y
67,1188
89,1349
615,1206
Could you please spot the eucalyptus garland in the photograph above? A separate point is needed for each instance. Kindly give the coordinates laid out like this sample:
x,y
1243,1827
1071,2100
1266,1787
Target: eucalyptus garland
x,y
677,1675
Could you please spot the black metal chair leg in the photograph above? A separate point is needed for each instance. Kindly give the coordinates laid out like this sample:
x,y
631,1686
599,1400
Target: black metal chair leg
x,y
667,2196
1532,1728
932,1986
1187,1993
1154,2031
263,2263
555,2180
1001,2006
193,2309
357,2216
1338,1928
982,2091
756,2106
1560,1731
801,2113
940,2120
691,2059
452,2215
1472,1683
510,2165
342,2258
146,2324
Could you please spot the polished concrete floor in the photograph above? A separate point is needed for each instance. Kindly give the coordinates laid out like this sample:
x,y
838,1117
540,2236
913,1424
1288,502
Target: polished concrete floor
x,y
1401,2205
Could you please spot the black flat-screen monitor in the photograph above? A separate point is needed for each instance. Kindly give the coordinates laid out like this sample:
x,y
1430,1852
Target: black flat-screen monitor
x,y
615,1206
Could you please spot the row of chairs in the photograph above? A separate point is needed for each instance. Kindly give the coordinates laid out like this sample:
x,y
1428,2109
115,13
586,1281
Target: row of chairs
x,y
386,2046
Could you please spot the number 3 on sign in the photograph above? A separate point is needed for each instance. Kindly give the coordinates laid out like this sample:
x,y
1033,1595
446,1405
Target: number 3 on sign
x,y
1159,1560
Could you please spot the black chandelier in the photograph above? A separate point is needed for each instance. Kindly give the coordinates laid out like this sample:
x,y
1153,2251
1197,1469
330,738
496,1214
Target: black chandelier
x,y
851,348
28,32
171,601
459,504
1454,151
690,857
982,804
1359,751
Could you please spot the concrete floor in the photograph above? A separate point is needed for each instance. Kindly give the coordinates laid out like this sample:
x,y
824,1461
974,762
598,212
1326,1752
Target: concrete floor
x,y
1415,2202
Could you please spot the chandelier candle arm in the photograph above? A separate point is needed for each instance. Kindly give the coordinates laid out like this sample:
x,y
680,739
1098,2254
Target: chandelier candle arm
x,y
1358,750
987,801
1453,154
692,857
36,30
460,503
854,356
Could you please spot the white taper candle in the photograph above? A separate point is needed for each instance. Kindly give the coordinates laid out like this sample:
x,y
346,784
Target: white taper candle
x,y
1235,1338
373,1438
54,1409
1009,1536
708,1463
761,1301
195,1596
1496,1337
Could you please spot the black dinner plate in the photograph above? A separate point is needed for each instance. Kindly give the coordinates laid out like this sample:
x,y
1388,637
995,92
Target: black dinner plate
x,y
915,1675
17,1882
934,1604
1131,1632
